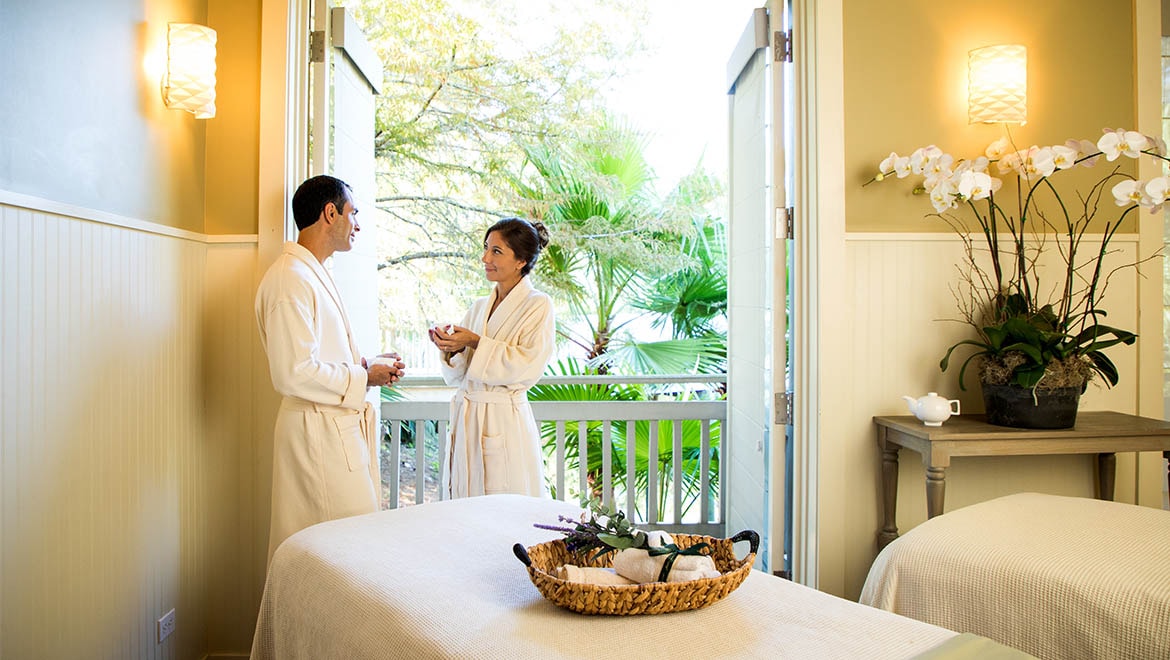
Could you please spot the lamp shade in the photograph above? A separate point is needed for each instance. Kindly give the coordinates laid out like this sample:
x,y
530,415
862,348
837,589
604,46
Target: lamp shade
x,y
189,82
997,85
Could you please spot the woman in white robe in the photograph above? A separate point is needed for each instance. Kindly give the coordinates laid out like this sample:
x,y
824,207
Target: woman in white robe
x,y
498,351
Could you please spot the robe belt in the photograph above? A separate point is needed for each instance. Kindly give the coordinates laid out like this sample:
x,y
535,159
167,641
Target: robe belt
x,y
304,405
496,396
471,462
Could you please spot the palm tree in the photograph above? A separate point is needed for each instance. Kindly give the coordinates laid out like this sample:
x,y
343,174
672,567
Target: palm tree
x,y
610,235
692,301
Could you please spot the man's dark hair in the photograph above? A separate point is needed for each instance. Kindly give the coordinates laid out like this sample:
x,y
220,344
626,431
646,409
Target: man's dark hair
x,y
312,196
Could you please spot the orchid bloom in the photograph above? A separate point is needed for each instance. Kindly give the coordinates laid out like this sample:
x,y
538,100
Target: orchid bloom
x,y
942,197
1086,149
938,165
1155,193
998,149
936,170
1122,142
975,185
1064,156
922,156
1039,161
1011,163
1157,145
948,182
890,164
1127,192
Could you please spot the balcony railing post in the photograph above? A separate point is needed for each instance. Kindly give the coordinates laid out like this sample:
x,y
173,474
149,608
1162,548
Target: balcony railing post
x,y
560,426
631,466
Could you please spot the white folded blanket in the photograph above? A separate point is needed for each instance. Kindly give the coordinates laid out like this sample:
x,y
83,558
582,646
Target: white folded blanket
x,y
637,564
591,575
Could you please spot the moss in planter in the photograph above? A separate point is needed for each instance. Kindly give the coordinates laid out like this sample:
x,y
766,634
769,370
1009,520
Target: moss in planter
x,y
1074,371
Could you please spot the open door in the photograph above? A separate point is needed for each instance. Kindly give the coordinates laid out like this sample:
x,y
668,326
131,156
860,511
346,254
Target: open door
x,y
759,382
346,74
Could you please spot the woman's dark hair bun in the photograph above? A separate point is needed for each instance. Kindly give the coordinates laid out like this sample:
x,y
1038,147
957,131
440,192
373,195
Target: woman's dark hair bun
x,y
541,233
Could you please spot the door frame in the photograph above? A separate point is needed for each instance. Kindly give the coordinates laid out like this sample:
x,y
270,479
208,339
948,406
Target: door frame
x,y
819,345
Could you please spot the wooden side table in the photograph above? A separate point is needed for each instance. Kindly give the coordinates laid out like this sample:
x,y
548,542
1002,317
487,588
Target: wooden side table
x,y
1102,432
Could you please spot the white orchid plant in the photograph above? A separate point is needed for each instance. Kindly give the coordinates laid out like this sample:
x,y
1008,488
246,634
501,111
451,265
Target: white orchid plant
x,y
1032,333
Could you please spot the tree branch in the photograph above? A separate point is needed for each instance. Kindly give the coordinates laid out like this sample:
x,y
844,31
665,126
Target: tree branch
x,y
441,200
433,254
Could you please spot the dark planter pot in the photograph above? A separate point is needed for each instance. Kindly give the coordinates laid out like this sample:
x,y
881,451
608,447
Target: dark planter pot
x,y
1012,405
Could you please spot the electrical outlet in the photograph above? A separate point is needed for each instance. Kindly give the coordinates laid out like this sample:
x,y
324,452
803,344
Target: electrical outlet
x,y
166,625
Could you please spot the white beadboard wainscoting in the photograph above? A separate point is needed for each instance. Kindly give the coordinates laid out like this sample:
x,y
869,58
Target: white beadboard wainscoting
x,y
899,300
128,450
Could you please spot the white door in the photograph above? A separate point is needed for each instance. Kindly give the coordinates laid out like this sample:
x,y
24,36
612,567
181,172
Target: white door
x,y
346,75
759,429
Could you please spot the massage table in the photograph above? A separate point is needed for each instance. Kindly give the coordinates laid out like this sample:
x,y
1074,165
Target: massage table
x,y
1057,577
440,580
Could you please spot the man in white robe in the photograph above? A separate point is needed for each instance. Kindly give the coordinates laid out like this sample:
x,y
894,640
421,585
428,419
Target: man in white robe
x,y
498,351
325,451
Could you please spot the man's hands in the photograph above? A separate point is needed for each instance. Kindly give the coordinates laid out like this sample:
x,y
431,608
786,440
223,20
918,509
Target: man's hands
x,y
386,369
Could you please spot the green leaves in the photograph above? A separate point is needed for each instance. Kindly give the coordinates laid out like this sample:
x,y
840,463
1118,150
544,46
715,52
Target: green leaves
x,y
603,528
623,542
1042,338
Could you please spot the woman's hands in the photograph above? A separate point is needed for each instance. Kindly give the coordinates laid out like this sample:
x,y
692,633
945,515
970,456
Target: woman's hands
x,y
452,338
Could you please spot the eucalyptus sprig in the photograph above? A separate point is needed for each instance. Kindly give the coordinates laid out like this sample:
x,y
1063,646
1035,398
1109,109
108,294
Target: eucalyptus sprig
x,y
602,527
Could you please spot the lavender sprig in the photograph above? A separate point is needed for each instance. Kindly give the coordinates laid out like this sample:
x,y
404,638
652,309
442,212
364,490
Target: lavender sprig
x,y
602,528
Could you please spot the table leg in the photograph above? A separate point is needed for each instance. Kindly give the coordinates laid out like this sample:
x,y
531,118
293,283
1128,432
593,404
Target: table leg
x,y
1106,473
936,489
889,530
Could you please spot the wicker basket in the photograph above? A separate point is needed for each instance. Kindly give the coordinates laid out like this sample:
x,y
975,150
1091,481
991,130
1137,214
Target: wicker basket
x,y
544,559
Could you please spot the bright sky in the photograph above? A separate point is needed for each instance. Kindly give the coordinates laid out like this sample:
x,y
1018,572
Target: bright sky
x,y
679,94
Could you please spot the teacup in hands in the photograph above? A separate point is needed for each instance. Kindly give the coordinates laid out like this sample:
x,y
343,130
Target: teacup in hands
x,y
446,328
388,361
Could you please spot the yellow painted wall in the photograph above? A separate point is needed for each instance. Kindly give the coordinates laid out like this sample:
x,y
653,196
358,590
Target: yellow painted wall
x,y
233,137
906,86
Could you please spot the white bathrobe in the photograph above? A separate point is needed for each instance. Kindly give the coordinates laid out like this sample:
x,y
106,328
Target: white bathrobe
x,y
494,443
324,458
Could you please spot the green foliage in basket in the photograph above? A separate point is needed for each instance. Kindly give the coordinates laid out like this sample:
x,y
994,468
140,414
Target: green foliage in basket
x,y
603,528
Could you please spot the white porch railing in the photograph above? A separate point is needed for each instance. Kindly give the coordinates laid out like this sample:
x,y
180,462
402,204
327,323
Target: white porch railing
x,y
693,510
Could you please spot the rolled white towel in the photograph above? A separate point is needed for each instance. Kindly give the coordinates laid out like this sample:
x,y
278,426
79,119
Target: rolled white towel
x,y
591,575
637,564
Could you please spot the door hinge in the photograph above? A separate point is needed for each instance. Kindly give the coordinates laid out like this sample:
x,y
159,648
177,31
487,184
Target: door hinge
x,y
784,223
317,46
782,46
784,408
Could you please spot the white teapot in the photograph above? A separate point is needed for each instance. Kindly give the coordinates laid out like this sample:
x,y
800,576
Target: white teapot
x,y
932,409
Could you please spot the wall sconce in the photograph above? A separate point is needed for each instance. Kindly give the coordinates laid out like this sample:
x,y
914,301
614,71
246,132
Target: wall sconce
x,y
189,81
997,85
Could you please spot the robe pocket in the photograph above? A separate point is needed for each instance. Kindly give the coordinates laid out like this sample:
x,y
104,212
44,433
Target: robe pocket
x,y
353,441
495,464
